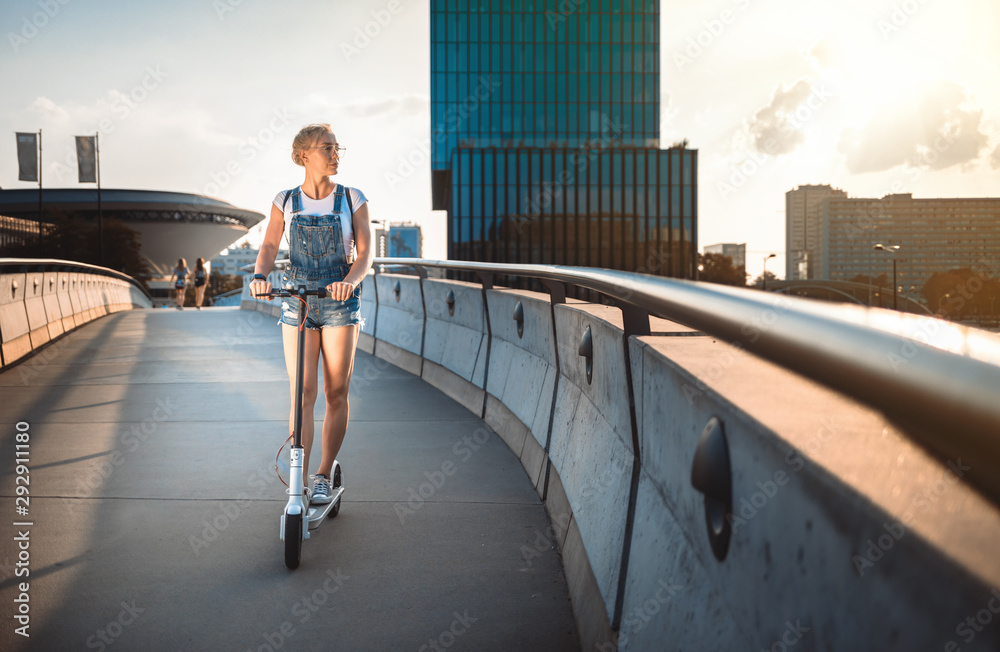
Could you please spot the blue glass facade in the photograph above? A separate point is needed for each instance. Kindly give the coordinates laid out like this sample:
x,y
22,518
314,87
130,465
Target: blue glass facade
x,y
545,136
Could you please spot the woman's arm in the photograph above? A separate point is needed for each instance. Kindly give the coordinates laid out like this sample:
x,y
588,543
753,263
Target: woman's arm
x,y
362,245
268,251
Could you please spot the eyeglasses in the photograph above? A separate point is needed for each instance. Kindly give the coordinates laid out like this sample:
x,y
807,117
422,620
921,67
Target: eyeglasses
x,y
330,150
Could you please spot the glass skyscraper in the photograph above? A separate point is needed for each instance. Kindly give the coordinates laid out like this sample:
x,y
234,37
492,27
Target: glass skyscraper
x,y
545,136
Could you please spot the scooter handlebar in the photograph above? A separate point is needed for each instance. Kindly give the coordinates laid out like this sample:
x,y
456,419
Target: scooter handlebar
x,y
321,293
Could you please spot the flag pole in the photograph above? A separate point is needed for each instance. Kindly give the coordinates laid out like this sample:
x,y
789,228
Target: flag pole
x,y
100,214
40,229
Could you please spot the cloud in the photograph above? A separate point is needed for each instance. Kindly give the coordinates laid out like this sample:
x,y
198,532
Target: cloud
x,y
995,159
823,53
775,129
49,111
401,106
935,130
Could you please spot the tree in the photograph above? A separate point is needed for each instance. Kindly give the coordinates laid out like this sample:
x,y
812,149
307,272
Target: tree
x,y
759,281
962,294
716,268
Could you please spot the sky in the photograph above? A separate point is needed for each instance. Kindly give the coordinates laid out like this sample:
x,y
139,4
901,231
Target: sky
x,y
205,96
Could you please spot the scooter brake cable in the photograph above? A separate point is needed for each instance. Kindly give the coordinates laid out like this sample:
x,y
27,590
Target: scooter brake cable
x,y
276,456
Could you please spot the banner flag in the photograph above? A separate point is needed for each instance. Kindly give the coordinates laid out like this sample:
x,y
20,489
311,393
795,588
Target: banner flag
x,y
86,158
27,157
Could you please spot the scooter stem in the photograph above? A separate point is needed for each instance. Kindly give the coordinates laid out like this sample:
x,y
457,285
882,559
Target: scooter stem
x,y
299,369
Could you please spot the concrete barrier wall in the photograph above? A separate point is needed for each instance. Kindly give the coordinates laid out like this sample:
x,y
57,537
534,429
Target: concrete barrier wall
x,y
455,342
41,304
14,327
366,339
845,535
591,444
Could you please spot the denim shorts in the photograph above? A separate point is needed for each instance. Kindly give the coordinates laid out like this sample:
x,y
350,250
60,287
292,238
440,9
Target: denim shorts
x,y
323,313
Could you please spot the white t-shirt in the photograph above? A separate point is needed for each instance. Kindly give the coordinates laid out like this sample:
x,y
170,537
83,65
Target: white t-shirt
x,y
324,206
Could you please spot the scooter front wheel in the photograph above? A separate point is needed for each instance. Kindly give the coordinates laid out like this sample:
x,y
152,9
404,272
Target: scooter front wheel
x,y
293,540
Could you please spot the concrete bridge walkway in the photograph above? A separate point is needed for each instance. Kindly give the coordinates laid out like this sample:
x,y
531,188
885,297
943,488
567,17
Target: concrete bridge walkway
x,y
154,507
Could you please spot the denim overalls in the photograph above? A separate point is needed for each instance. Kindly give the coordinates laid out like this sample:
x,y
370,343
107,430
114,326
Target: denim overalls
x,y
317,258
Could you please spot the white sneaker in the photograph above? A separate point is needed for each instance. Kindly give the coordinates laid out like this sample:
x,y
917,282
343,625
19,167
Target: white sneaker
x,y
321,493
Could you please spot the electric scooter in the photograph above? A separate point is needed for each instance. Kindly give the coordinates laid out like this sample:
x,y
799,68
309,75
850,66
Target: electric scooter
x,y
298,517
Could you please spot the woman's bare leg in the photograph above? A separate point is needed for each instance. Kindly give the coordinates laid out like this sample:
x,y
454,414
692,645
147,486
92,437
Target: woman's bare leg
x,y
338,346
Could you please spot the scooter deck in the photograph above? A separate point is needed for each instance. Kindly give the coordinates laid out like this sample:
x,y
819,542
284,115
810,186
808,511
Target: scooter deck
x,y
317,513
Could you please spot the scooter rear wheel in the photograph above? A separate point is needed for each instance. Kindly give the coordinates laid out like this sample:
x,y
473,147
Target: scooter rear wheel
x,y
338,480
293,540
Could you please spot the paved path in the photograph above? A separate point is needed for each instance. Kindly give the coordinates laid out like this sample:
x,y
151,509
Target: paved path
x,y
155,507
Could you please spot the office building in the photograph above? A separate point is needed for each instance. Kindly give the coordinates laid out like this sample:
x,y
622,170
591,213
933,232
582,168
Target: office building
x,y
933,235
545,137
803,224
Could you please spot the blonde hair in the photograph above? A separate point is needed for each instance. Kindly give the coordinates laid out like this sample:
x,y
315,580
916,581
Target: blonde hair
x,y
306,137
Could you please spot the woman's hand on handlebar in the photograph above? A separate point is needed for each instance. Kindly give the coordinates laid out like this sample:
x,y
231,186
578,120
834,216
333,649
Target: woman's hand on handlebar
x,y
340,290
259,287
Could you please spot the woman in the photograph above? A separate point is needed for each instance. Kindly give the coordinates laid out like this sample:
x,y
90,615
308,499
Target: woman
x,y
326,227
200,277
179,279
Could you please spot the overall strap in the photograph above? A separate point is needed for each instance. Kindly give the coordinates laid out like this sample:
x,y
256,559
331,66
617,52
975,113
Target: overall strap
x,y
296,196
338,197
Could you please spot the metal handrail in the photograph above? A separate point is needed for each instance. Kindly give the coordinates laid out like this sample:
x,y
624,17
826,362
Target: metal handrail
x,y
939,381
55,265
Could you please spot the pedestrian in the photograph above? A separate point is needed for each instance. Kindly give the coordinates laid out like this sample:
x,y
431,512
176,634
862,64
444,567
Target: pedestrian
x,y
200,277
326,227
179,280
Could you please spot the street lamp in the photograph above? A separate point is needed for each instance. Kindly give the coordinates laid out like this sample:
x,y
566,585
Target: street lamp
x,y
763,278
892,249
